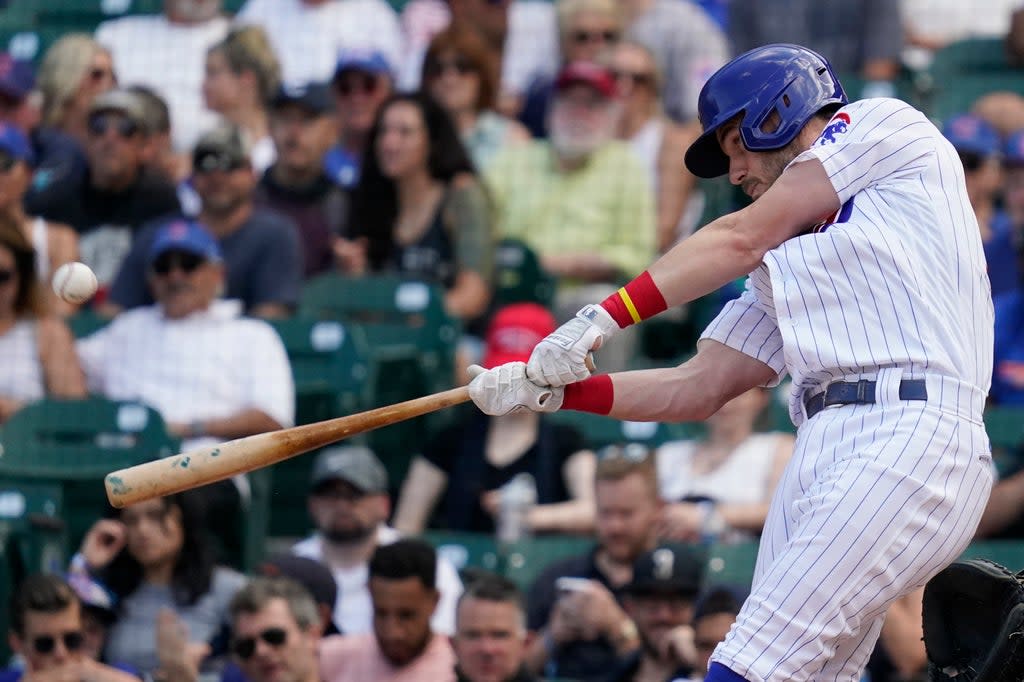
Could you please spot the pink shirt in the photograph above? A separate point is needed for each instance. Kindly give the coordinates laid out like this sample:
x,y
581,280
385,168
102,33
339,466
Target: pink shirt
x,y
357,658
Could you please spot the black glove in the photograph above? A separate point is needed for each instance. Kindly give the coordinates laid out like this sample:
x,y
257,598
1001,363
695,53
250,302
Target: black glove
x,y
974,623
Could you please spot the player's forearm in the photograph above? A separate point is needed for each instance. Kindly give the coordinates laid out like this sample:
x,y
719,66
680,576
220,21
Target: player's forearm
x,y
663,394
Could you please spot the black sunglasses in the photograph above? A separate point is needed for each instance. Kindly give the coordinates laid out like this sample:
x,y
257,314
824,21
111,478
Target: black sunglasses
x,y
245,647
210,162
6,276
7,161
458,65
45,644
99,125
972,161
635,77
583,37
366,83
184,261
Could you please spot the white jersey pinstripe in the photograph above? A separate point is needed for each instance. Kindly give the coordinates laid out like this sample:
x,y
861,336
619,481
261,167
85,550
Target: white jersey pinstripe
x,y
877,498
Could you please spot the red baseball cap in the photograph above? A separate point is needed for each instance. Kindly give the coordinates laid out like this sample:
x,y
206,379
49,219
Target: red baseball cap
x,y
514,331
586,73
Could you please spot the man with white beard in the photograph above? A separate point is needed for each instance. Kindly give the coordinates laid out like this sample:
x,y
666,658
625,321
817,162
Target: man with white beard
x,y
579,199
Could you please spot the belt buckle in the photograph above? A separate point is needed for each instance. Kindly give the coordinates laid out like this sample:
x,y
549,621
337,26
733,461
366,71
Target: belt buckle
x,y
862,391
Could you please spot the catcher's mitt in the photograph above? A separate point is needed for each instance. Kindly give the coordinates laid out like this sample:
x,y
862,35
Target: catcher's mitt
x,y
974,623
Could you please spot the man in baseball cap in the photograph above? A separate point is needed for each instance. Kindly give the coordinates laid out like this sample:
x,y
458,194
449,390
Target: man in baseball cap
x,y
362,81
659,599
349,504
312,575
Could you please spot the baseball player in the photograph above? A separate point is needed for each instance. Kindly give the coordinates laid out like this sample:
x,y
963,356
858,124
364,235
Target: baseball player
x,y
867,286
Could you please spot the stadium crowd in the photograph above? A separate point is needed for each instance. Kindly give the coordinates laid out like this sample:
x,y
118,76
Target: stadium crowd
x,y
208,166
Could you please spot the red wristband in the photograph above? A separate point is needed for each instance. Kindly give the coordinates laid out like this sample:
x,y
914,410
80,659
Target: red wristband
x,y
637,301
590,395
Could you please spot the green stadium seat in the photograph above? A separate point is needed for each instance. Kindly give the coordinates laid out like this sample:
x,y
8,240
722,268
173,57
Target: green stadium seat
x,y
600,431
519,276
85,322
964,71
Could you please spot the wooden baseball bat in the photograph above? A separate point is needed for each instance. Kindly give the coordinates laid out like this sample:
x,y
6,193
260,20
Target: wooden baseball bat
x,y
215,463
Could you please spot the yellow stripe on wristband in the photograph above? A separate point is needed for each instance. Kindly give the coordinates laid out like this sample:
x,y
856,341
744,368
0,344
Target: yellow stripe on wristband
x,y
624,295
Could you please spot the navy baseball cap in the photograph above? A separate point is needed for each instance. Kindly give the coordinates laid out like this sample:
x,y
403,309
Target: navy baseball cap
x,y
670,568
366,61
15,143
185,235
313,98
1013,150
309,573
970,133
17,77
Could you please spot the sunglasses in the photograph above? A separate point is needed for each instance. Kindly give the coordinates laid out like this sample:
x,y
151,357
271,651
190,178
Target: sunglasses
x,y
245,647
99,75
99,125
586,37
634,77
209,163
6,276
459,66
971,160
364,83
186,262
45,644
7,162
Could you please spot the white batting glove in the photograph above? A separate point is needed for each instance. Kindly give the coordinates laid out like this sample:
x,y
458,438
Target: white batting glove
x,y
505,389
561,358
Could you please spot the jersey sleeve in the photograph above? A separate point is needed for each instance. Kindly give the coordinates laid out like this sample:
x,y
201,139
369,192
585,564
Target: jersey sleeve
x,y
746,325
871,142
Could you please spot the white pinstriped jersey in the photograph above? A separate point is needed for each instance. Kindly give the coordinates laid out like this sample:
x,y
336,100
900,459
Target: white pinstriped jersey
x,y
896,278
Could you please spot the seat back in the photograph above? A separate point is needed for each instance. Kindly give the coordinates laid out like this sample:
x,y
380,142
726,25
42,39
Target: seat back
x,y
519,276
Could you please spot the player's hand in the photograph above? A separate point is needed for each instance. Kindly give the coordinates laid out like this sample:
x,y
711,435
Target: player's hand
x,y
561,358
505,389
103,542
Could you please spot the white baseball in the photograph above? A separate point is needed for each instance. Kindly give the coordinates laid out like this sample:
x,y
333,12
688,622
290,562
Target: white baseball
x,y
74,283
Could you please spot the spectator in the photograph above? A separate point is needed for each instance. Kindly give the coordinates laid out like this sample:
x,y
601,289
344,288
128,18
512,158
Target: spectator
x,y
74,70
118,192
46,632
581,200
58,158
863,39
582,633
978,145
361,84
930,25
713,615
315,577
261,249
160,156
349,504
490,632
297,186
307,35
242,76
419,209
213,375
660,600
587,30
687,44
658,142
37,348
155,556
1013,185
54,244
471,460
460,73
403,645
275,631
166,52
722,484
99,612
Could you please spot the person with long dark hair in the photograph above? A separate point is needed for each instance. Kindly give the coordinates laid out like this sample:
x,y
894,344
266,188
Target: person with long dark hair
x,y
156,558
419,208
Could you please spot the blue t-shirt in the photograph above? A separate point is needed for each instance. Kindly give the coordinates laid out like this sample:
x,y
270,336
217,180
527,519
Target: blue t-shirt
x,y
1008,366
342,167
1001,255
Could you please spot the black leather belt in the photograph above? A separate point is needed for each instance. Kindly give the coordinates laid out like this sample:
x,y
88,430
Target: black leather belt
x,y
860,393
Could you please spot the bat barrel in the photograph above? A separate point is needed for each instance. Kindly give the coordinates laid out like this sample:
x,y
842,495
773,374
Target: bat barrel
x,y
218,462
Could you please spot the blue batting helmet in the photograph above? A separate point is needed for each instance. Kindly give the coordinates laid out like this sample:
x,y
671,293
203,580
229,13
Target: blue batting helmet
x,y
788,79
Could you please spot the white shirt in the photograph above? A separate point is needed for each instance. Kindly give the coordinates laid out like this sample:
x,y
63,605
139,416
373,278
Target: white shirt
x,y
353,612
21,373
898,279
307,38
170,58
744,477
209,365
952,20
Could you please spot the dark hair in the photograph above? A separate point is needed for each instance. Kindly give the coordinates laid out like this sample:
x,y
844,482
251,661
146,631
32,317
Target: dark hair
x,y
29,302
488,586
468,44
193,570
719,599
375,199
406,558
261,590
158,116
41,592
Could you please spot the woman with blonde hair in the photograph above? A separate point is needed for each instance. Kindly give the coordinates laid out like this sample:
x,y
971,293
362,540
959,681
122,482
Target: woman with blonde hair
x,y
73,72
37,347
242,76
